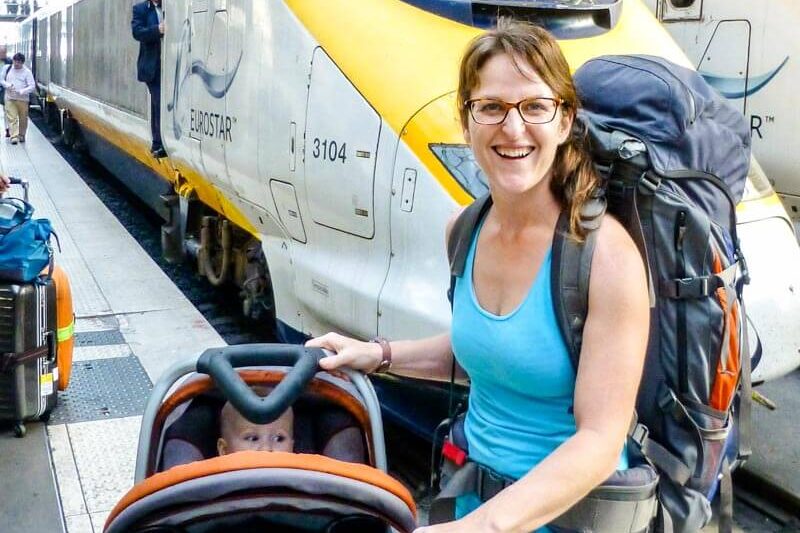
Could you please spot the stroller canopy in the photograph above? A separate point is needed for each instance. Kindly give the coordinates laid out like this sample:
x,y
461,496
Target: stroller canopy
x,y
257,491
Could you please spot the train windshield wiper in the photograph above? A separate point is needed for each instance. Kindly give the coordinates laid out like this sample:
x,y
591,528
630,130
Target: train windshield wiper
x,y
566,19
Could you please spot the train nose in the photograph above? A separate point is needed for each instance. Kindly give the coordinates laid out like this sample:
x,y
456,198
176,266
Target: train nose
x,y
773,296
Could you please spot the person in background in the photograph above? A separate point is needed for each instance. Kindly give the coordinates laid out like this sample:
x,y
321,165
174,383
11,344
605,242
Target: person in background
x,y
147,26
532,418
4,60
17,80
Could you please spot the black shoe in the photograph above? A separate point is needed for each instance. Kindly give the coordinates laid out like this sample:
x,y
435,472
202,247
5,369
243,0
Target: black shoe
x,y
8,133
22,138
158,153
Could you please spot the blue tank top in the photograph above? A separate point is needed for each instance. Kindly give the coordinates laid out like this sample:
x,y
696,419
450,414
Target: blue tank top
x,y
522,379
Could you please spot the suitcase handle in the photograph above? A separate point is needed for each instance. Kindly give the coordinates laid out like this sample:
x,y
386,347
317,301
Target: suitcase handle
x,y
51,346
21,181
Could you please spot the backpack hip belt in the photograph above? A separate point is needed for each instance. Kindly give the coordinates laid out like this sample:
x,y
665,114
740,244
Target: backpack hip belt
x,y
626,503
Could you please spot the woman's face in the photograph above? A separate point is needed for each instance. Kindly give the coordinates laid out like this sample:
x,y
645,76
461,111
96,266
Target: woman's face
x,y
515,155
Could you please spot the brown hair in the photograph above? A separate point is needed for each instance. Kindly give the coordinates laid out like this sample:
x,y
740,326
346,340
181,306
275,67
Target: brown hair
x,y
574,177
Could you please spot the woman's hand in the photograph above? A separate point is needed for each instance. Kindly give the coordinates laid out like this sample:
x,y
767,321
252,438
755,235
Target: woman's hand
x,y
4,184
352,353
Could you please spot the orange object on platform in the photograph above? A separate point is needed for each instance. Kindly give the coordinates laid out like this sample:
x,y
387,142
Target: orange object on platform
x,y
66,326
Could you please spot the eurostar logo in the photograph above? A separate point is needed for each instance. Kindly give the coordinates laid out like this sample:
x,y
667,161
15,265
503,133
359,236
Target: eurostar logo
x,y
216,85
734,87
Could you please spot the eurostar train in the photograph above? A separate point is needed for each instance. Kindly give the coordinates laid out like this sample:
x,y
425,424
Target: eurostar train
x,y
315,153
750,56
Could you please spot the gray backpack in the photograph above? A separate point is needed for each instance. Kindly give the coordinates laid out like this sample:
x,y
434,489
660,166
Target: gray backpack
x,y
674,158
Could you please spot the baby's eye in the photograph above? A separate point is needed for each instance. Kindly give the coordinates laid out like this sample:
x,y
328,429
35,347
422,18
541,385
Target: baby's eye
x,y
279,438
251,438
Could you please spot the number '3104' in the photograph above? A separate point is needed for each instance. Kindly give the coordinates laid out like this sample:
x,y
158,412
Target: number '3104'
x,y
329,149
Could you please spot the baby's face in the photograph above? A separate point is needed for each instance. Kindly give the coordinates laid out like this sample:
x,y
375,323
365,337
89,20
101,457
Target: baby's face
x,y
243,435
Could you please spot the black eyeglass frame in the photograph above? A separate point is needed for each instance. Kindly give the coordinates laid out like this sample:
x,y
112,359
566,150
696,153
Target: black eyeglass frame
x,y
509,106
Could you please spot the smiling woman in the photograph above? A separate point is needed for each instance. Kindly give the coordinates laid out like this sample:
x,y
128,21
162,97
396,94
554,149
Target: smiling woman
x,y
549,433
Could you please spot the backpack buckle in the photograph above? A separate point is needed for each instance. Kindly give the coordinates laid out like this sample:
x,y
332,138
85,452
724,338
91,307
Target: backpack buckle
x,y
490,483
639,434
649,183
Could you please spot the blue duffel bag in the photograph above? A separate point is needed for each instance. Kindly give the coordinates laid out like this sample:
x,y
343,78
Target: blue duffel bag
x,y
25,249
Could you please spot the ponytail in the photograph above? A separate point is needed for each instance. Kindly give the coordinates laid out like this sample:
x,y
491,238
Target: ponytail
x,y
575,180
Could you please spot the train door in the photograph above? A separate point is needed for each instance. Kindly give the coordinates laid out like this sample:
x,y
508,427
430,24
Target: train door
x,y
207,86
343,267
243,99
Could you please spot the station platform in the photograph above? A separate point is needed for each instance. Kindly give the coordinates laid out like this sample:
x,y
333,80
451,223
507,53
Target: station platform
x,y
131,324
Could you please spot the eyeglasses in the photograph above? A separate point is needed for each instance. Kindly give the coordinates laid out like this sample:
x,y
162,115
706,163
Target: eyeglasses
x,y
489,111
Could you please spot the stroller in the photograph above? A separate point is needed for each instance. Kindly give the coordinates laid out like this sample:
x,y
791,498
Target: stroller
x,y
181,486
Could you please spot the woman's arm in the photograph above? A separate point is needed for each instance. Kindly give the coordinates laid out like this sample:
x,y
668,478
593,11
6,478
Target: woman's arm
x,y
614,346
428,358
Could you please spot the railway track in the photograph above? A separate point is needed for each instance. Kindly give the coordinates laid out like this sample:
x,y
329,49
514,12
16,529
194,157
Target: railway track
x,y
757,508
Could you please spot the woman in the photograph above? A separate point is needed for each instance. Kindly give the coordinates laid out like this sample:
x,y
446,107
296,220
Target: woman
x,y
530,416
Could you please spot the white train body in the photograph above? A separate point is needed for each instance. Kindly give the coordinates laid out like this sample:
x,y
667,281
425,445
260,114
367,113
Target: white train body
x,y
315,127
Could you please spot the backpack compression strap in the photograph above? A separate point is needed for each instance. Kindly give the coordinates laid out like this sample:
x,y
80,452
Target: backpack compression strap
x,y
461,237
570,273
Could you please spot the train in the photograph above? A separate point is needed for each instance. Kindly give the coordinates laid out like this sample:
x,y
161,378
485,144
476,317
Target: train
x,y
315,153
750,56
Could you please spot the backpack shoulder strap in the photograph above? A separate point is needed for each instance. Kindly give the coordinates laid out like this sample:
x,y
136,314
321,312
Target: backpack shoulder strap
x,y
570,272
460,238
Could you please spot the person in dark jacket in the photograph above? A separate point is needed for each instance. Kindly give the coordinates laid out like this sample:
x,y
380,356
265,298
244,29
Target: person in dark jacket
x,y
147,25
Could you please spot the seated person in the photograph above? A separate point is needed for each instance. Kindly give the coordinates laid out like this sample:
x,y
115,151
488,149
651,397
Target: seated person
x,y
237,434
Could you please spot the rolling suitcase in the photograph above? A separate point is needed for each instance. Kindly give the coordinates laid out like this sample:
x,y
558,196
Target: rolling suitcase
x,y
28,371
28,365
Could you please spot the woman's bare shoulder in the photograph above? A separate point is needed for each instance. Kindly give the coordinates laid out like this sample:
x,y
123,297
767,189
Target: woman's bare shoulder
x,y
617,262
451,222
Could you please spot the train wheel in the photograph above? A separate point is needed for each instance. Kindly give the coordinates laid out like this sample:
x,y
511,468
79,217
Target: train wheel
x,y
69,131
53,116
258,301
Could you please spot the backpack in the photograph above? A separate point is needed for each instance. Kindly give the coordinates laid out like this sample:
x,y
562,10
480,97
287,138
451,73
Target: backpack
x,y
25,249
673,157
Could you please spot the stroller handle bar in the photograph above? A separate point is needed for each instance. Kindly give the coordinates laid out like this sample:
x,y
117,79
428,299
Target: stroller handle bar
x,y
221,364
187,367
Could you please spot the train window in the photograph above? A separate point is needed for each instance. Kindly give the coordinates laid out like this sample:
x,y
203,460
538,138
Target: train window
x,y
459,161
566,19
682,4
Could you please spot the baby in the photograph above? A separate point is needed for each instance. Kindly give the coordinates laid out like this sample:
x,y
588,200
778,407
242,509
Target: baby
x,y
238,434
